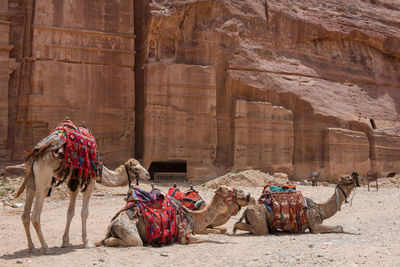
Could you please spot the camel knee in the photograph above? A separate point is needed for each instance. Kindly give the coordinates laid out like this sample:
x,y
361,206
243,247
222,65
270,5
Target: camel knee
x,y
35,221
25,218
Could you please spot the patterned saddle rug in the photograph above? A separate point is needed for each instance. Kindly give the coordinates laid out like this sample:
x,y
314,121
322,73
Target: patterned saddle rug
x,y
159,214
287,204
191,199
77,148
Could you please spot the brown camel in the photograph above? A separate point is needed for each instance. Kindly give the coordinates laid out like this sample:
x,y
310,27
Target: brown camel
x,y
232,211
258,219
39,171
125,232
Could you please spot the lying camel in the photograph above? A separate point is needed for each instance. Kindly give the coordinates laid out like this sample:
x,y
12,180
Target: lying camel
x,y
258,219
125,232
232,211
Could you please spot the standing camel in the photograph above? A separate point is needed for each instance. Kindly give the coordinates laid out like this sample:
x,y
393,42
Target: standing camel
x,y
123,231
258,219
45,164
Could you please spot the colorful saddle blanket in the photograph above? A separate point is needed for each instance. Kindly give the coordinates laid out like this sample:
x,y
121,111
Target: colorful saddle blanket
x,y
287,204
191,199
158,212
80,157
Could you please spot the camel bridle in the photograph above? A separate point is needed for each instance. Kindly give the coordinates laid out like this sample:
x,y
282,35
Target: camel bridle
x,y
338,187
232,197
128,170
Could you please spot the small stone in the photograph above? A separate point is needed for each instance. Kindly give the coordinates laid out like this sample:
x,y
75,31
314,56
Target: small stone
x,y
164,254
304,182
102,260
19,262
17,205
310,245
94,263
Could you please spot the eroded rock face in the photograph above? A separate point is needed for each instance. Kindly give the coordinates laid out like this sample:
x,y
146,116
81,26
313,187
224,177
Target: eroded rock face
x,y
77,61
263,137
203,69
344,152
333,65
180,120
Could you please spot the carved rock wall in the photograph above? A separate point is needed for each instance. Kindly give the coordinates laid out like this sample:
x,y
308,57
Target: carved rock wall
x,y
263,137
202,66
332,64
79,65
180,116
7,65
387,152
345,151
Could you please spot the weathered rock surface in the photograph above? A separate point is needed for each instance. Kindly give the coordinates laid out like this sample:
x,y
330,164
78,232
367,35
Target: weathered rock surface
x,y
263,137
331,65
344,152
77,59
180,120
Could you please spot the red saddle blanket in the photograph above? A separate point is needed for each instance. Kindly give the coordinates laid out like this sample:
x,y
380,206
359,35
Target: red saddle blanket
x,y
288,208
191,199
80,157
158,212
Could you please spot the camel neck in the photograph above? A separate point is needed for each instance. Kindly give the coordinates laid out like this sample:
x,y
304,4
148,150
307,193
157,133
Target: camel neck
x,y
206,216
330,207
113,178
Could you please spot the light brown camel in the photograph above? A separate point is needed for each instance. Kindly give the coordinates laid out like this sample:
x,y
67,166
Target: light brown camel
x,y
258,219
38,181
125,232
231,211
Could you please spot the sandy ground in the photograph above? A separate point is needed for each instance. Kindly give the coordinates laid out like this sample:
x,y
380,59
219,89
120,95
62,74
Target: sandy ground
x,y
372,236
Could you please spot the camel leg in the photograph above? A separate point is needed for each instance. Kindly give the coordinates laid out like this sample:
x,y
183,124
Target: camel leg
x,y
320,229
123,232
211,231
257,223
85,213
70,215
26,215
43,174
249,228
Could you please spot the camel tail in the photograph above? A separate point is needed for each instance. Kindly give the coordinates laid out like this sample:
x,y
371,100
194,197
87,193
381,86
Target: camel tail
x,y
28,175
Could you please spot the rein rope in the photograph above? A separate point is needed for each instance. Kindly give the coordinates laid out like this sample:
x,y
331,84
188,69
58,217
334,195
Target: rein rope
x,y
130,169
338,204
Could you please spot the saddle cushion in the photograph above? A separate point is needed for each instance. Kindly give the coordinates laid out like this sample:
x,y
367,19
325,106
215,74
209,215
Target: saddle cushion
x,y
287,204
190,199
80,158
158,212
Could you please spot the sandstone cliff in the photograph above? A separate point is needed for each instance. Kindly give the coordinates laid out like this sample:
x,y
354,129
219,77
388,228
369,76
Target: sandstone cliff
x,y
332,65
275,85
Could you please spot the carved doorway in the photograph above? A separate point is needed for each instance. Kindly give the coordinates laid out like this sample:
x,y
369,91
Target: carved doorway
x,y
168,171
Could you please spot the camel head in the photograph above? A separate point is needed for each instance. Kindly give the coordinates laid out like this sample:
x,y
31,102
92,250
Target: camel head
x,y
226,197
348,181
135,169
242,199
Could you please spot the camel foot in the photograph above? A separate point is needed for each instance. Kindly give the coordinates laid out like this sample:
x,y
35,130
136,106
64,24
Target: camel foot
x,y
340,229
48,252
31,247
66,245
89,245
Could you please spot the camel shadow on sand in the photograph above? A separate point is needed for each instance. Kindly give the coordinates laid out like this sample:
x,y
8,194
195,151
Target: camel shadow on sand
x,y
37,252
